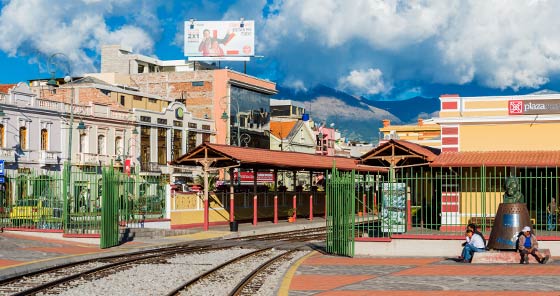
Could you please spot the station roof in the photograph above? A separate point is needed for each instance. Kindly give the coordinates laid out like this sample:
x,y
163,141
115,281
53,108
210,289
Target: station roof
x,y
498,159
400,152
225,156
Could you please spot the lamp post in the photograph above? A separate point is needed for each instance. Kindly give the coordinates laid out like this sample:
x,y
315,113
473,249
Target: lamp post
x,y
52,84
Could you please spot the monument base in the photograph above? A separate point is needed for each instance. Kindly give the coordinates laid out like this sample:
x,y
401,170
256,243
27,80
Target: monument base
x,y
490,257
510,219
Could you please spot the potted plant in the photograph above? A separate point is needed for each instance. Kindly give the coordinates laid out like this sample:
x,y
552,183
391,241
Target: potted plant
x,y
291,214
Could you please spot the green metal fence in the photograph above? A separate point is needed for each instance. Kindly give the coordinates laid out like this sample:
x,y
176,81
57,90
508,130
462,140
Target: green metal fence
x,y
442,201
340,213
71,201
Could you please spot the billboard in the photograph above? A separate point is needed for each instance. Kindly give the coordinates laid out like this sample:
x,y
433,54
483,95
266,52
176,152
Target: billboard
x,y
248,177
219,40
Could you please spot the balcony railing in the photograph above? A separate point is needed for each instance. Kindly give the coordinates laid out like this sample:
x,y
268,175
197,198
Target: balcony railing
x,y
150,167
49,157
94,159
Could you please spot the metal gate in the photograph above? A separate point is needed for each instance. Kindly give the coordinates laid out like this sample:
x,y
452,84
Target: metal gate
x,y
340,203
109,210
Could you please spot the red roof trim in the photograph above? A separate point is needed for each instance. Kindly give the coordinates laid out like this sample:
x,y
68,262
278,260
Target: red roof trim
x,y
498,159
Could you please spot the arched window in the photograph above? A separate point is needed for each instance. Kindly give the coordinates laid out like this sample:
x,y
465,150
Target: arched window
x,y
44,139
83,143
23,137
101,145
119,146
2,136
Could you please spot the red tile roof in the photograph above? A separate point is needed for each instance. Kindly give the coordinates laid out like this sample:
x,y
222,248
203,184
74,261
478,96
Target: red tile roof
x,y
4,88
263,158
427,153
498,159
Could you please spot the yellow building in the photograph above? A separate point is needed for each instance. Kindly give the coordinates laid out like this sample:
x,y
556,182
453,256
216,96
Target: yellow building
x,y
426,133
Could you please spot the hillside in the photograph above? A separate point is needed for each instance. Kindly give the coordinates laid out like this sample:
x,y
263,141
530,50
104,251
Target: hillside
x,y
358,118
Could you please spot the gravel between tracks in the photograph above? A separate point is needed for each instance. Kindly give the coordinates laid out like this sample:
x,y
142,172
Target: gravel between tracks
x,y
159,279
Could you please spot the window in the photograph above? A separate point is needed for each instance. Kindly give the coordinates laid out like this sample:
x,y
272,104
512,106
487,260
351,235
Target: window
x,y
122,100
197,83
177,140
83,143
192,125
44,139
145,144
191,144
205,138
23,137
161,145
1,135
101,145
140,68
119,146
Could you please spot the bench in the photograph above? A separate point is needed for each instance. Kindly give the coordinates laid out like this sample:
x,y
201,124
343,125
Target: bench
x,y
505,257
489,221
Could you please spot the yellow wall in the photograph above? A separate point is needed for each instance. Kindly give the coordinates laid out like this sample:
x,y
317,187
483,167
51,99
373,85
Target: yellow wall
x,y
475,204
521,137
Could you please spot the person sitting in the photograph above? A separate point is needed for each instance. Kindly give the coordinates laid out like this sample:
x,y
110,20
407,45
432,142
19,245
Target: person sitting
x,y
475,230
528,244
475,244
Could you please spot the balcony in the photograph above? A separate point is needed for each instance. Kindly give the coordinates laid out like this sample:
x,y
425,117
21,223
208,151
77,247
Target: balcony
x,y
49,157
8,154
93,159
152,167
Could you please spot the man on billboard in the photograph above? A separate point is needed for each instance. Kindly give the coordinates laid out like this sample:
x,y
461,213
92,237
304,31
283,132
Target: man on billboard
x,y
212,46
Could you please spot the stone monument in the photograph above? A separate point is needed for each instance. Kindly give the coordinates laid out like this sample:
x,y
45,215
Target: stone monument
x,y
511,217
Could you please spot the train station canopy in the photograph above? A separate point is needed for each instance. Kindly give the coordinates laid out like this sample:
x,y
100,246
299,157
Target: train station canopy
x,y
223,156
399,153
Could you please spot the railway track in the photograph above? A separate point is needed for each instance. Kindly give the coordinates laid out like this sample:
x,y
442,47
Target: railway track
x,y
57,280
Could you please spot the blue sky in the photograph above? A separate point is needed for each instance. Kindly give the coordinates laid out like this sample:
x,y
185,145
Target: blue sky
x,y
373,48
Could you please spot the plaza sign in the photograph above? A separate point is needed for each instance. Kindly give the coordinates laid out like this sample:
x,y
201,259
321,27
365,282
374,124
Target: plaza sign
x,y
533,107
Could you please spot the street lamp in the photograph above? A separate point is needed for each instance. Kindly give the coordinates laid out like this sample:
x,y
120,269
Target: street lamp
x,y
52,84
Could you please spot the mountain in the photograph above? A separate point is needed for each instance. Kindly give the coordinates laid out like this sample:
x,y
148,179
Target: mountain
x,y
355,117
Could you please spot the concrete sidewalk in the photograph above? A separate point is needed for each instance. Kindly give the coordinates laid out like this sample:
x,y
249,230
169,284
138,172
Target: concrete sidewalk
x,y
326,275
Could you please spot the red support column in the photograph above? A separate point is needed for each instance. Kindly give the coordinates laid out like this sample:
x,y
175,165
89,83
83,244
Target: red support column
x,y
276,209
206,216
311,207
408,213
231,210
364,204
255,210
294,204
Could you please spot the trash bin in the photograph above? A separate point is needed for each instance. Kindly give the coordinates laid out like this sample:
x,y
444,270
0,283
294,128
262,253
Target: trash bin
x,y
233,226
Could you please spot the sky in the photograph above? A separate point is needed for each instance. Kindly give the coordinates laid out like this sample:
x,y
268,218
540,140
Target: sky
x,y
376,49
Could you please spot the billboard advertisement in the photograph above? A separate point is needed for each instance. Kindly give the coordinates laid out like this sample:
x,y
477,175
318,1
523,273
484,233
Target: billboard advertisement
x,y
219,40
393,208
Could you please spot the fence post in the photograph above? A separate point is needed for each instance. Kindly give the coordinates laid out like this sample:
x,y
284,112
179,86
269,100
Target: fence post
x,y
276,209
311,207
168,201
255,210
408,211
294,206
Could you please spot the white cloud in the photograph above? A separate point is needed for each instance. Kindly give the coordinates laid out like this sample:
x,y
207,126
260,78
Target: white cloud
x,y
41,28
368,82
297,85
496,43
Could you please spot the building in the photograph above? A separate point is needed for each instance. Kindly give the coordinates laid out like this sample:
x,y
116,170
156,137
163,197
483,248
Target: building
x,y
425,132
237,103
